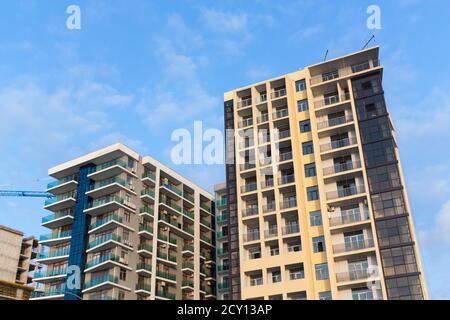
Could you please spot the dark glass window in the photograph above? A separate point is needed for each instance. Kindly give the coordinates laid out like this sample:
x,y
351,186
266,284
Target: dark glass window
x,y
404,288
305,126
315,218
375,129
310,170
388,204
379,153
307,147
313,193
393,232
302,105
383,178
399,261
300,85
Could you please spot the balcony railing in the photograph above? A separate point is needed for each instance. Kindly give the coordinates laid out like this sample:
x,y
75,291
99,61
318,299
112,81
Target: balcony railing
x,y
188,265
342,167
103,239
252,211
346,192
143,286
337,144
188,283
282,134
269,207
148,192
109,164
256,282
271,232
105,220
100,259
334,122
278,93
251,236
349,216
49,292
245,123
188,197
205,238
353,275
165,294
146,247
285,179
56,235
166,275
223,267
205,207
249,187
268,183
330,100
170,203
244,103
55,253
62,181
367,92
147,210
63,213
285,156
101,201
344,71
149,175
223,285
146,228
291,228
262,98
99,280
353,245
289,203
61,197
107,182
221,202
173,188
264,117
280,113
247,166
222,217
222,251
50,273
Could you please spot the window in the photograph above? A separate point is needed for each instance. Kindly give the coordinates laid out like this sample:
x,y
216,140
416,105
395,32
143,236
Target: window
x,y
310,170
121,295
276,276
305,126
123,274
318,244
313,193
302,105
315,218
326,295
322,271
307,147
300,85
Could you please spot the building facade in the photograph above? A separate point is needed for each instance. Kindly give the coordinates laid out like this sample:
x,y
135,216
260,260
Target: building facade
x,y
130,227
222,247
17,263
316,188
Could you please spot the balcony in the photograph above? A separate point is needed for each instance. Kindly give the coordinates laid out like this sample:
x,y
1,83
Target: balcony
x,y
247,166
286,156
331,100
264,117
268,183
51,293
223,268
342,167
256,282
353,275
334,122
205,222
249,187
112,220
188,266
61,201
344,70
104,240
145,249
63,185
245,123
261,99
93,264
271,232
55,238
54,255
100,281
223,286
205,239
270,207
146,211
222,251
144,269
282,134
278,93
205,207
143,288
50,275
148,195
175,190
59,219
281,113
291,228
222,218
187,283
167,257
171,205
350,216
354,245
188,249
165,275
288,203
109,169
248,212
148,177
286,179
346,192
165,295
146,231
105,204
251,236
166,239
221,202
338,144
244,103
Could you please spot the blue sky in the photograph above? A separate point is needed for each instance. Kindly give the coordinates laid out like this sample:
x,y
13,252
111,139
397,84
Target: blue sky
x,y
137,70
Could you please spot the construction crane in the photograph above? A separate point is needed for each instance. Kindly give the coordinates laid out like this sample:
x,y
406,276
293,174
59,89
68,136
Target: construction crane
x,y
34,194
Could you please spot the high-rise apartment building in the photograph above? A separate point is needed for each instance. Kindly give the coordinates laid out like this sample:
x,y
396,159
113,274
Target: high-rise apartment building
x,y
17,263
131,227
316,197
222,248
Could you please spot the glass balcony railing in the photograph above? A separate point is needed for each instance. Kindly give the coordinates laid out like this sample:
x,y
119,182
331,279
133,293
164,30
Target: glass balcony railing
x,y
165,294
353,245
337,144
346,192
56,235
50,273
291,228
148,192
350,216
222,251
146,228
264,117
51,292
188,213
288,203
280,113
205,207
205,222
188,197
188,247
188,283
173,188
147,210
61,197
100,259
166,275
103,239
62,181
170,203
205,238
250,211
244,103
285,179
353,275
223,285
144,266
188,265
105,220
106,182
144,287
221,234
223,267
149,175
60,214
146,247
334,122
278,93
54,253
342,167
104,200
249,187
221,202
109,164
99,280
222,217
251,236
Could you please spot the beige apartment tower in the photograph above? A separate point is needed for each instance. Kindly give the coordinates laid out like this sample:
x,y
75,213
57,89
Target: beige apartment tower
x,y
132,227
316,196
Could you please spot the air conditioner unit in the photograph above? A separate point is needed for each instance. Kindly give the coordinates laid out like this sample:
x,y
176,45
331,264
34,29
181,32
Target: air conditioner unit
x,y
163,283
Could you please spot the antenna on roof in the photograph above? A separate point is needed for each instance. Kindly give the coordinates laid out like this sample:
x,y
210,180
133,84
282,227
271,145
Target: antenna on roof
x,y
367,43
326,55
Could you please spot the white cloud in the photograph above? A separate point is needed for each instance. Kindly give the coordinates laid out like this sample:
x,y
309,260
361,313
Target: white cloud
x,y
225,22
439,232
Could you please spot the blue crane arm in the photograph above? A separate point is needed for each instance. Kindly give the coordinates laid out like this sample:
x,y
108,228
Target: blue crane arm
x,y
35,194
